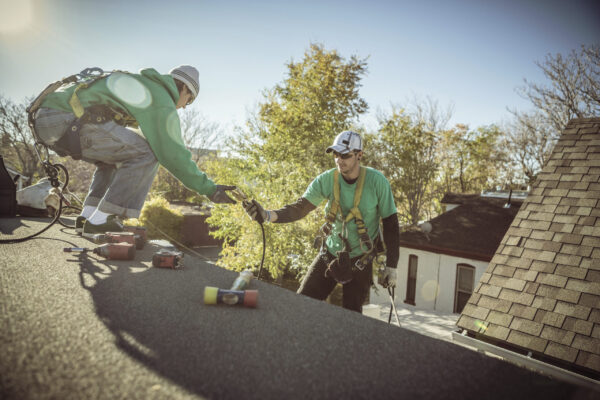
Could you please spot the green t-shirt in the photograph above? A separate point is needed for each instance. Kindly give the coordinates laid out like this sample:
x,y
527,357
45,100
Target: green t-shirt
x,y
376,202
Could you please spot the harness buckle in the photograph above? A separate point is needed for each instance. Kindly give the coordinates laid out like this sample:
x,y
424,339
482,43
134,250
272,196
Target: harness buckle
x,y
359,264
366,244
326,228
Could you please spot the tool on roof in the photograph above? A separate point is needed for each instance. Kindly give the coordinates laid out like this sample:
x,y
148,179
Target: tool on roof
x,y
165,258
112,251
118,237
234,296
168,256
137,230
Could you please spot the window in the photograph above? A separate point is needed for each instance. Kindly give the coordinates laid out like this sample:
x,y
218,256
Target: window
x,y
465,281
411,282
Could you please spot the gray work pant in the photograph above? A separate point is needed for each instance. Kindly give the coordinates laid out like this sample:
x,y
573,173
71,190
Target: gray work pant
x,y
125,164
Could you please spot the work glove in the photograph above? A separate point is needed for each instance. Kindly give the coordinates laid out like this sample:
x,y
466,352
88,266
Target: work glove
x,y
255,211
387,277
220,195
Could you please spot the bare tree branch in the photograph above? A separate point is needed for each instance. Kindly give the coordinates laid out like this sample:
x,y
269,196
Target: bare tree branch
x,y
17,140
573,92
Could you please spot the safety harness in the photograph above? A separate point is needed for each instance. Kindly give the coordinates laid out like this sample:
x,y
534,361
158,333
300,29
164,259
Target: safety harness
x,y
369,248
69,143
366,244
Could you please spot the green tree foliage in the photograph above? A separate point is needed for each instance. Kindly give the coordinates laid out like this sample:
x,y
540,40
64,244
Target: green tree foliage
x,y
405,151
160,220
471,160
280,152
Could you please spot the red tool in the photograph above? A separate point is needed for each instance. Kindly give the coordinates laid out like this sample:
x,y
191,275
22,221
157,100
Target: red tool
x,y
137,230
112,251
165,258
235,295
119,237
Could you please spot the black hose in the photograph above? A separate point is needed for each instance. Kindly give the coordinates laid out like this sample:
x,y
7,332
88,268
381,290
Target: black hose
x,y
66,174
23,239
54,180
74,208
264,240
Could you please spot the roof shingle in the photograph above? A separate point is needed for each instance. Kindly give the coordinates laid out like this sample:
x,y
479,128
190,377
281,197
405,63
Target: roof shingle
x,y
543,290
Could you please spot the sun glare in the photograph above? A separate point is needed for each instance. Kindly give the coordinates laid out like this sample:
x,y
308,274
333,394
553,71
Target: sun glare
x,y
15,15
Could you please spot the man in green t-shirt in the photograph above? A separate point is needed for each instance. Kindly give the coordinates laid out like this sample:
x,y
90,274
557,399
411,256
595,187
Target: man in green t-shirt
x,y
352,231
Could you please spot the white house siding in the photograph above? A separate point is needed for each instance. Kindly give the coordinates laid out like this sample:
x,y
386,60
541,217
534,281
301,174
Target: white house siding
x,y
433,271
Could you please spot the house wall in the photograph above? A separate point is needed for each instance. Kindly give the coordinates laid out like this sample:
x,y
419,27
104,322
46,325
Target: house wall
x,y
435,273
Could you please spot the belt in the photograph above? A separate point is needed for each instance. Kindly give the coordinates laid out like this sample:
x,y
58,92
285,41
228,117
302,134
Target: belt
x,y
357,263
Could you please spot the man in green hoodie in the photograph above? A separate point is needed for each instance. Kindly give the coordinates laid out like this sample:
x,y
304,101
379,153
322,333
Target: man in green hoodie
x,y
126,124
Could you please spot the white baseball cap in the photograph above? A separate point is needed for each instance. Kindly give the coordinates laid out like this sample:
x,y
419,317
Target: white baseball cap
x,y
189,76
346,142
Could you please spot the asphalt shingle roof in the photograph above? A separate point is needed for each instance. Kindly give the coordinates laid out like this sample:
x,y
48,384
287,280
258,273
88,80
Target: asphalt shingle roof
x,y
541,291
79,327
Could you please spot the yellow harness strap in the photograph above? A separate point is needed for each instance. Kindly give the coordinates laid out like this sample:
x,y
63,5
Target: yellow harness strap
x,y
366,243
335,205
354,211
74,102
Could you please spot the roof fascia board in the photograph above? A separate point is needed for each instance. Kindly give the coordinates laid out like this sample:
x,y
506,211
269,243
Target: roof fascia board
x,y
449,252
519,359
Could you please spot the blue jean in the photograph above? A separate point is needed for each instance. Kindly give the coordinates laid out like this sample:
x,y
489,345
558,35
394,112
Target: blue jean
x,y
125,164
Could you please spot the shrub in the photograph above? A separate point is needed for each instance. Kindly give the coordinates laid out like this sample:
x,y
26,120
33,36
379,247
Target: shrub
x,y
161,221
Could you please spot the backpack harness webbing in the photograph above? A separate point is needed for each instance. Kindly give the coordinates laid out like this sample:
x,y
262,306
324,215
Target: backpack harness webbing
x,y
366,244
69,143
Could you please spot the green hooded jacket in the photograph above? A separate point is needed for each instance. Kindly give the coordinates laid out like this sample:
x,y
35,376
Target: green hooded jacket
x,y
150,98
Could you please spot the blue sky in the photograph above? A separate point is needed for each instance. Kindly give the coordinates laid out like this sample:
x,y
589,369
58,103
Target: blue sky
x,y
471,54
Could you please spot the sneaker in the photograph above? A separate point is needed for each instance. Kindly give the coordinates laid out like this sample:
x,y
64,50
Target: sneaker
x,y
112,224
79,223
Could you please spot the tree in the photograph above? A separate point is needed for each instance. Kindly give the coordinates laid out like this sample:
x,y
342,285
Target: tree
x,y
404,150
573,92
17,139
470,160
279,152
529,141
199,135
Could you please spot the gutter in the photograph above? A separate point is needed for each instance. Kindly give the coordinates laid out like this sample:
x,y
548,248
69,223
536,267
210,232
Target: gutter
x,y
526,361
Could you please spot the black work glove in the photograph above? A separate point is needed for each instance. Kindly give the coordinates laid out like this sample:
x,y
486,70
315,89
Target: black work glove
x,y
220,195
255,211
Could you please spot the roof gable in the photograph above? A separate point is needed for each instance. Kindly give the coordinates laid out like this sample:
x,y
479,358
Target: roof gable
x,y
541,291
